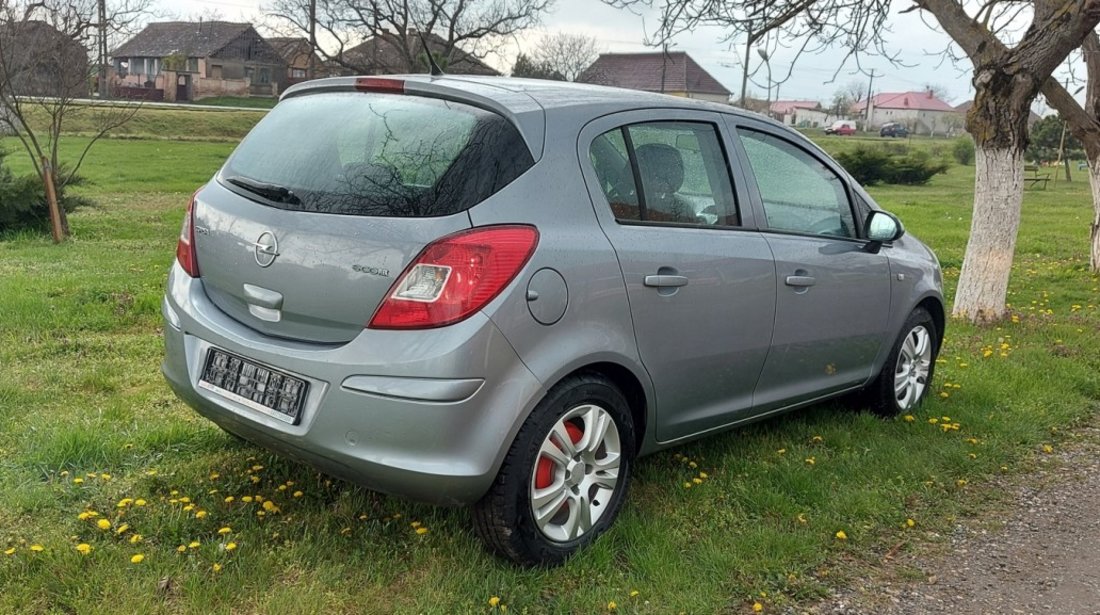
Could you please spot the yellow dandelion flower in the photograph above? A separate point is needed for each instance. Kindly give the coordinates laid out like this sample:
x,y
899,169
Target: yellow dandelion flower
x,y
270,506
10,551
782,451
103,524
697,481
182,548
933,421
136,538
972,440
124,502
83,548
633,593
297,494
972,455
139,502
255,479
811,461
225,530
611,606
944,394
257,468
229,499
84,516
802,518
693,465
494,601
1048,449
841,535
687,485
37,548
185,499
910,523
703,475
908,418
757,607
194,544
421,530
214,476
217,567
817,439
122,528
105,476
247,499
200,514
415,524
987,353
137,559
189,508
961,482
282,487
77,480
230,546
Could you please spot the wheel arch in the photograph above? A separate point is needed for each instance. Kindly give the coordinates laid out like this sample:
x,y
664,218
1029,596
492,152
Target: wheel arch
x,y
935,308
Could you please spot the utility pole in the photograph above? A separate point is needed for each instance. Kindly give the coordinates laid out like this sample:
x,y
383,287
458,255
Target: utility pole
x,y
867,107
102,49
312,38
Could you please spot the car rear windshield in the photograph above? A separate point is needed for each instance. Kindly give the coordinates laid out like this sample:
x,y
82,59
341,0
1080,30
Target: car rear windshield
x,y
376,155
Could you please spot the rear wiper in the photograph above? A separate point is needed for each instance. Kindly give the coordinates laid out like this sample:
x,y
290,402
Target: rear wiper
x,y
273,192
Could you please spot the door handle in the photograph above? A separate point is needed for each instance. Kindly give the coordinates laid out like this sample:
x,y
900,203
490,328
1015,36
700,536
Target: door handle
x,y
800,280
665,281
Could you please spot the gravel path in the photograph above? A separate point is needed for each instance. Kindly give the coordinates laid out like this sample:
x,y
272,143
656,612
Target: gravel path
x,y
1046,558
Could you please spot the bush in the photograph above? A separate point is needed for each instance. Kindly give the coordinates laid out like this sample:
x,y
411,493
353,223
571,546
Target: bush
x,y
963,150
873,165
867,165
23,200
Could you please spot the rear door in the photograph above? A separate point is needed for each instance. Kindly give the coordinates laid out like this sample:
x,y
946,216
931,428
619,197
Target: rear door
x,y
700,281
833,296
325,202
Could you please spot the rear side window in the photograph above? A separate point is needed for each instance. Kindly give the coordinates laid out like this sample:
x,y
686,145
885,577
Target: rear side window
x,y
377,155
679,166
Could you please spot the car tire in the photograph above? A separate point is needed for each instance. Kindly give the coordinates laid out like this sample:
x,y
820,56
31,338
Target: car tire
x,y
906,377
567,482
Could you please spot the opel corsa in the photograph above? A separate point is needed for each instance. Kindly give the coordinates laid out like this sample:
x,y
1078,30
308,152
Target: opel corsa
x,y
500,293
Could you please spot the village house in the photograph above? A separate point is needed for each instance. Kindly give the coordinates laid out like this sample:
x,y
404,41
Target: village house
x,y
297,53
920,112
673,72
800,113
382,55
185,60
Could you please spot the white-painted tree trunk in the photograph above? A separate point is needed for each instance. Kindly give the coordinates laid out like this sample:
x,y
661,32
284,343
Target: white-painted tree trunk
x,y
1094,180
998,194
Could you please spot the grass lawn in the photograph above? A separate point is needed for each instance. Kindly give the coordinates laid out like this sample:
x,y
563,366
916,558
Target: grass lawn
x,y
87,425
199,124
252,102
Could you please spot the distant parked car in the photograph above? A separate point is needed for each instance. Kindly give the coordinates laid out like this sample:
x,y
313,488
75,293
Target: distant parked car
x,y
893,129
483,291
841,127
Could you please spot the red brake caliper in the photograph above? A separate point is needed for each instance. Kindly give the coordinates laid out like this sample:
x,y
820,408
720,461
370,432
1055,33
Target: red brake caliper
x,y
544,472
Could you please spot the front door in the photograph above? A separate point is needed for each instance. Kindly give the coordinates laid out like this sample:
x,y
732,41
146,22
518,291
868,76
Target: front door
x,y
183,87
701,285
833,295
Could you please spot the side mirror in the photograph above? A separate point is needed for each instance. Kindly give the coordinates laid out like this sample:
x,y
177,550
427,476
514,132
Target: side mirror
x,y
881,227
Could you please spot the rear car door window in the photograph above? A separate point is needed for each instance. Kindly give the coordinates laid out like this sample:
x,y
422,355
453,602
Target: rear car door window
x,y
799,193
373,154
680,168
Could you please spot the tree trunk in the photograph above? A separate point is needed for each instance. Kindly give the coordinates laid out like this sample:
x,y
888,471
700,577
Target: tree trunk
x,y
1094,230
998,194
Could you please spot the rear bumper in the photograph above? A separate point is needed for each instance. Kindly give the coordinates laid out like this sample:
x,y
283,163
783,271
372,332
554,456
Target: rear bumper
x,y
427,415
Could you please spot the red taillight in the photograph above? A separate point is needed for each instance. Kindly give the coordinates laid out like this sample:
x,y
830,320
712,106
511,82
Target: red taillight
x,y
185,249
376,84
455,277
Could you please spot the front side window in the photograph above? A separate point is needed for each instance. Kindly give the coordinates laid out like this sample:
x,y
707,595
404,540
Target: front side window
x,y
799,192
671,172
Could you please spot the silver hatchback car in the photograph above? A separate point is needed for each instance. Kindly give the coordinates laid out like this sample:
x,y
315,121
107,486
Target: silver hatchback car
x,y
501,292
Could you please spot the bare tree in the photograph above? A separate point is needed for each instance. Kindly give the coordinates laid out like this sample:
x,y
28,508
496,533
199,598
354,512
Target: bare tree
x,y
567,54
801,25
938,90
114,21
454,28
1084,123
44,69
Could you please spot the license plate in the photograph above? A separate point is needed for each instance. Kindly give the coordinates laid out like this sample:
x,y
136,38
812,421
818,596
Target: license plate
x,y
272,392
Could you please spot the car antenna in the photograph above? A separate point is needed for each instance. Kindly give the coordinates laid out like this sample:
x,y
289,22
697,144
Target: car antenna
x,y
433,67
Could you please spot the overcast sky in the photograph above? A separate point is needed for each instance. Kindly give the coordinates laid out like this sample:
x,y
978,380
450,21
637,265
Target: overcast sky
x,y
619,30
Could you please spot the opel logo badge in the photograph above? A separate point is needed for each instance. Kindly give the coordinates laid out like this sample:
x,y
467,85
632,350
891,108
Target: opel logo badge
x,y
266,249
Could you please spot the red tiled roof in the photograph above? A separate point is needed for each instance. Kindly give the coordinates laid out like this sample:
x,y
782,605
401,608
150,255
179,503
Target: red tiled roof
x,y
673,71
783,107
921,101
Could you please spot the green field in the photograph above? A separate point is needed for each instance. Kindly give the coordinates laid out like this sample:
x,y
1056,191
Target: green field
x,y
87,424
252,102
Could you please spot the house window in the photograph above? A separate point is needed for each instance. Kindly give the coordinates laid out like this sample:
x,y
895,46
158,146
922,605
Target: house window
x,y
265,75
297,73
